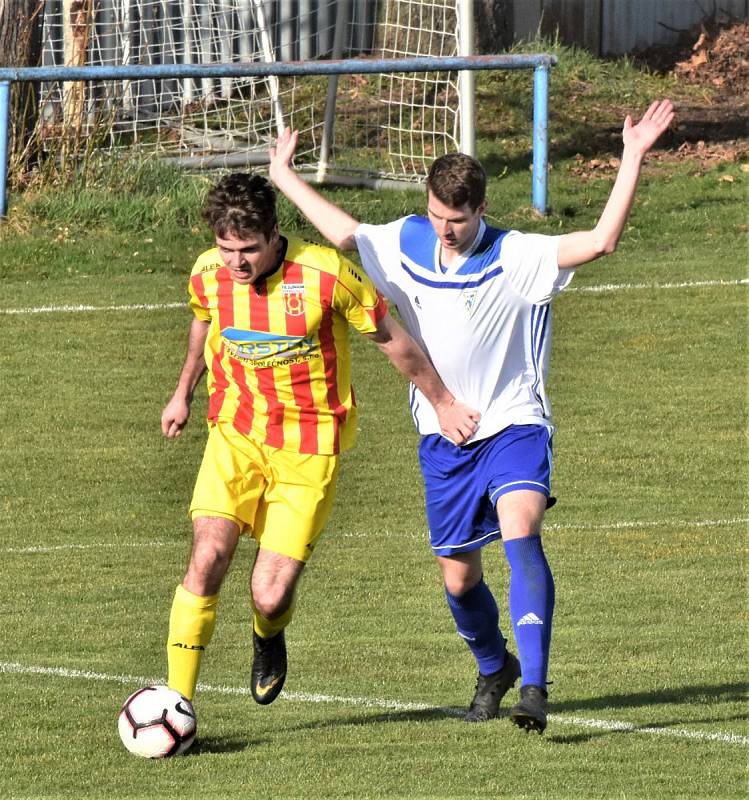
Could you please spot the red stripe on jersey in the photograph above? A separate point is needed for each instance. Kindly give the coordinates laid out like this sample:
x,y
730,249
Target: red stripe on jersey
x,y
245,409
259,307
329,355
379,311
296,325
220,383
225,298
199,288
266,382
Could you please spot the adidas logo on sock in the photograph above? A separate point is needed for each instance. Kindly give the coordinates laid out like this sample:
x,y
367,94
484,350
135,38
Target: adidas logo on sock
x,y
530,619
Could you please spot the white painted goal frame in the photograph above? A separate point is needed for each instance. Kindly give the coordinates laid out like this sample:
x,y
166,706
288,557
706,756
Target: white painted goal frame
x,y
387,126
215,97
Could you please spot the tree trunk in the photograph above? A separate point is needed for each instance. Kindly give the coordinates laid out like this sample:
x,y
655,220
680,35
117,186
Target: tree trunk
x,y
76,29
494,25
21,46
19,41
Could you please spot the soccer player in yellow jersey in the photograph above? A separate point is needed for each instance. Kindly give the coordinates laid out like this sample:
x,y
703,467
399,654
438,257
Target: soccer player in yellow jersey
x,y
271,327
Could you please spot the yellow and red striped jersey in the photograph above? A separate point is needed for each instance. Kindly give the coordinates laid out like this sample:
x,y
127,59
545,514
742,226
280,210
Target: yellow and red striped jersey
x,y
277,351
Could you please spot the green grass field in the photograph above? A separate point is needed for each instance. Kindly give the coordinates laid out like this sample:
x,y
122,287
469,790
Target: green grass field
x,y
648,542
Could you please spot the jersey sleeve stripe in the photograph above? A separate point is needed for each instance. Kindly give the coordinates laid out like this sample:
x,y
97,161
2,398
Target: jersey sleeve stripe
x,y
375,312
378,313
198,289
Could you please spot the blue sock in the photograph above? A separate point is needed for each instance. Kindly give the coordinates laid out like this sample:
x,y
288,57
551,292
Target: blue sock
x,y
477,620
531,606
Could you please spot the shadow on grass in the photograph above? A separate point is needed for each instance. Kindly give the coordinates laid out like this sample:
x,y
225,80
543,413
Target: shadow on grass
x,y
693,695
437,714
223,744
701,695
671,727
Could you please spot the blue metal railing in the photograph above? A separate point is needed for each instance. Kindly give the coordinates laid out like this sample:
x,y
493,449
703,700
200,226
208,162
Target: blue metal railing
x,y
539,63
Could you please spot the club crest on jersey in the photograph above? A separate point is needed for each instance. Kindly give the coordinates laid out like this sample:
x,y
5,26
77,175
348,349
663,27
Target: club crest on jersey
x,y
293,298
469,301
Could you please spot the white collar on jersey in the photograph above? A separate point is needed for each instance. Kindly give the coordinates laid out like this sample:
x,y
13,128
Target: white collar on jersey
x,y
462,258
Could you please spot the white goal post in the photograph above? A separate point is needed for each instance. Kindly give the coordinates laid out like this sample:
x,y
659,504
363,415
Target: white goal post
x,y
354,128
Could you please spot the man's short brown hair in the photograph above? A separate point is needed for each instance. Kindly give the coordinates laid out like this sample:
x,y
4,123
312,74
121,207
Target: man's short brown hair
x,y
241,205
456,179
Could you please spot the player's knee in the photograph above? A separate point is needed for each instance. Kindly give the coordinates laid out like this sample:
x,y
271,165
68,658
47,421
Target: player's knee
x,y
270,601
458,585
271,595
521,528
206,570
521,525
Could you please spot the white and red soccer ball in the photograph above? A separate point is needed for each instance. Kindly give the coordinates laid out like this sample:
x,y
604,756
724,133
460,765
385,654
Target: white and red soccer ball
x,y
157,722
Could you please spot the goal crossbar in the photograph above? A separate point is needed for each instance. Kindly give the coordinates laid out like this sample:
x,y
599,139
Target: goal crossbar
x,y
539,63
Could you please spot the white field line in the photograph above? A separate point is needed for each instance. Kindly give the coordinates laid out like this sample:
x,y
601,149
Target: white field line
x,y
77,309
621,287
56,548
369,702
574,526
610,287
386,534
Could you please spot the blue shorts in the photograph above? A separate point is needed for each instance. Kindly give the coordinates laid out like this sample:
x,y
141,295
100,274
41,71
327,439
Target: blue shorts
x,y
462,484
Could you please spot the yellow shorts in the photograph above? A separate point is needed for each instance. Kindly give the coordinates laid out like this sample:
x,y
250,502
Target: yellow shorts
x,y
283,498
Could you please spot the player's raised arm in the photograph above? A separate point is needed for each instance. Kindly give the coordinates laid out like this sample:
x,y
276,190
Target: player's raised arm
x,y
583,246
457,421
333,223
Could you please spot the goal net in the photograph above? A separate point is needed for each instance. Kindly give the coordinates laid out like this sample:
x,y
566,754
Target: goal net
x,y
384,125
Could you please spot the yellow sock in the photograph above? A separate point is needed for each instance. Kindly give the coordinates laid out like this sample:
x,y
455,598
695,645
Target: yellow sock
x,y
267,628
191,625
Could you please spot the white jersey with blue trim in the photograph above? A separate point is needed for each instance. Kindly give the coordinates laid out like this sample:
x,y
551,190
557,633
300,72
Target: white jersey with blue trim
x,y
484,321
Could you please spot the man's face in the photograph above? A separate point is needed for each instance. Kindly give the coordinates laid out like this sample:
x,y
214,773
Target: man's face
x,y
248,259
455,227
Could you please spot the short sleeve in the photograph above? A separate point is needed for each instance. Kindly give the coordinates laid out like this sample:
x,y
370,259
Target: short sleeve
x,y
357,299
379,249
529,260
198,300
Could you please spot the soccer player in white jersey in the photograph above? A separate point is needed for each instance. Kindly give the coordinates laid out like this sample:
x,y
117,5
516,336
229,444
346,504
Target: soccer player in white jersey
x,y
477,299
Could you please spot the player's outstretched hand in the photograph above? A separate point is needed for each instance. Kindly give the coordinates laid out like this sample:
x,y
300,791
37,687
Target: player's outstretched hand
x,y
641,137
457,421
282,154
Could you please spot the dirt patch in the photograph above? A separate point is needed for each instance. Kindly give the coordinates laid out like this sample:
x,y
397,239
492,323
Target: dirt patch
x,y
712,56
